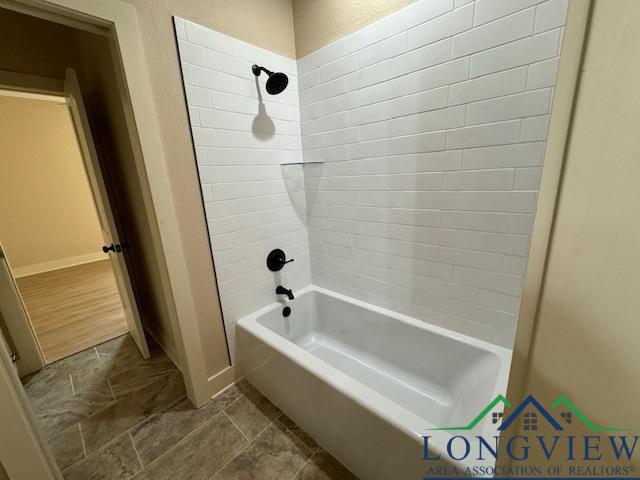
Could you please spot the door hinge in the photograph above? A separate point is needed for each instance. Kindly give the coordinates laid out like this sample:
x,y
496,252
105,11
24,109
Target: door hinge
x,y
13,357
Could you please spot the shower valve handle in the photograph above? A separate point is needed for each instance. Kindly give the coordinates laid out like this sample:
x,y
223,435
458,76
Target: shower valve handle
x,y
276,260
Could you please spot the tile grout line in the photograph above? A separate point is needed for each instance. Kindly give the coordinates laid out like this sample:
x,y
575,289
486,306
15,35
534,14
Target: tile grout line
x,y
417,113
84,448
247,445
303,466
236,400
133,444
84,453
133,426
183,439
94,452
111,390
235,425
230,460
469,78
313,451
145,419
234,384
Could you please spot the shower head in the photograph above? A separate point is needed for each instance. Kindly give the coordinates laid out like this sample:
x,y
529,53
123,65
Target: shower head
x,y
277,81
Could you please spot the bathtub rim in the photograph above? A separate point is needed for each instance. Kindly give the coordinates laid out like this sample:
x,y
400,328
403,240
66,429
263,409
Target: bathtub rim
x,y
376,403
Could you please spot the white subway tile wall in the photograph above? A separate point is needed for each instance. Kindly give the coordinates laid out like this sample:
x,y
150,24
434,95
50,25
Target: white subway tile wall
x,y
432,125
242,136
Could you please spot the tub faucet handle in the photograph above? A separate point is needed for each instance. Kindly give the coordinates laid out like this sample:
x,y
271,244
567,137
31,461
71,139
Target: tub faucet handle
x,y
280,290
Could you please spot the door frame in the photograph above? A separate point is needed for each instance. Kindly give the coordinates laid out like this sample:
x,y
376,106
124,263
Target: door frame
x,y
118,22
24,452
42,86
16,320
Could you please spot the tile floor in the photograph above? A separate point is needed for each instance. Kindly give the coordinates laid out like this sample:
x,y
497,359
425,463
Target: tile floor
x,y
109,414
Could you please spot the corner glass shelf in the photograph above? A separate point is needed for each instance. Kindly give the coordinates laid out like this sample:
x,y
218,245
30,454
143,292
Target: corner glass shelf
x,y
301,163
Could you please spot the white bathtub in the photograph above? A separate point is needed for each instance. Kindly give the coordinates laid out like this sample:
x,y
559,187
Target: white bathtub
x,y
367,383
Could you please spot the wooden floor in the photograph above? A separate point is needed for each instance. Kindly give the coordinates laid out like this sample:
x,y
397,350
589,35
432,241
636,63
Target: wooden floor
x,y
73,308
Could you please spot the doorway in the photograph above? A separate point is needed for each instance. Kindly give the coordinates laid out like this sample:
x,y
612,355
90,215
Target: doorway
x,y
50,230
103,43
60,226
67,308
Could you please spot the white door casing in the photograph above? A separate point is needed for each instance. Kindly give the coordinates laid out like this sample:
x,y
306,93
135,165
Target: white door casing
x,y
16,323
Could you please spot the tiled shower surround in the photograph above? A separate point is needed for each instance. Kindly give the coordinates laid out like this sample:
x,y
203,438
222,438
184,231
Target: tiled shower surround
x,y
242,136
431,124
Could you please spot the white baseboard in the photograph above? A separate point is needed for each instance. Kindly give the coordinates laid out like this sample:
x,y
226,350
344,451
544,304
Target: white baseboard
x,y
57,264
221,381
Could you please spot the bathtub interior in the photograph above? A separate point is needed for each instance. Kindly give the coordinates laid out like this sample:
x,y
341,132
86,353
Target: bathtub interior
x,y
442,379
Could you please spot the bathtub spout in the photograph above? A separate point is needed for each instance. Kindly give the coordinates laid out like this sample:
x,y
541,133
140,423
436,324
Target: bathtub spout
x,y
280,290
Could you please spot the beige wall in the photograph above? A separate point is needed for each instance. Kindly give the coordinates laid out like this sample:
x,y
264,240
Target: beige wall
x,y
585,343
46,208
265,23
320,22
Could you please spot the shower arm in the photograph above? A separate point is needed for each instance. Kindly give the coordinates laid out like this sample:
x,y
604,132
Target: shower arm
x,y
257,70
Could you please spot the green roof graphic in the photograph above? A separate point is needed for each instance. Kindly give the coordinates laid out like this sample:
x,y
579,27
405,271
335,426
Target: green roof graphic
x,y
562,400
482,414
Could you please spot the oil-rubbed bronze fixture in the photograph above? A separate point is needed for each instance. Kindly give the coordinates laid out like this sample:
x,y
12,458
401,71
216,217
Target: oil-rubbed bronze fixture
x,y
277,81
276,260
280,290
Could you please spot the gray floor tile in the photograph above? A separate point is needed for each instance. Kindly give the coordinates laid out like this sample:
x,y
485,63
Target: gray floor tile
x,y
56,414
121,364
90,376
275,454
252,412
53,380
199,455
227,396
300,434
115,461
131,410
141,375
114,357
67,447
76,361
47,384
154,424
123,345
324,467
163,430
121,354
